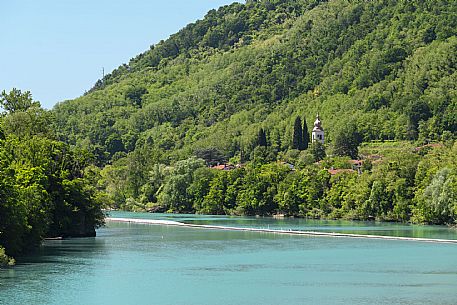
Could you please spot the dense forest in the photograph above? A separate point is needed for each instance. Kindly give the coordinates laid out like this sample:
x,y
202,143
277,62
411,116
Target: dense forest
x,y
241,88
46,187
231,89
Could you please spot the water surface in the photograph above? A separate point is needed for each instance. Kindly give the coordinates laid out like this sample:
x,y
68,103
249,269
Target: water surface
x,y
147,264
300,224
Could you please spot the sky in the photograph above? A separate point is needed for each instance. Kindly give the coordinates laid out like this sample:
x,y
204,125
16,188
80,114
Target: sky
x,y
57,48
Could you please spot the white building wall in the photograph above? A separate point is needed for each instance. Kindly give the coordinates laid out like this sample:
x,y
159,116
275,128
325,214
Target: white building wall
x,y
318,135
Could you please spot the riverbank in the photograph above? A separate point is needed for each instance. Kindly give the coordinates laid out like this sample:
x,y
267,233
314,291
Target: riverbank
x,y
278,231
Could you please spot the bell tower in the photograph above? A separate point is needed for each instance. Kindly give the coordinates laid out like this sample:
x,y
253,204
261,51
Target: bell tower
x,y
318,131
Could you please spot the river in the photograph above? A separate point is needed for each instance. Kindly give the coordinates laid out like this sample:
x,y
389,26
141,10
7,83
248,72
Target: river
x,y
156,264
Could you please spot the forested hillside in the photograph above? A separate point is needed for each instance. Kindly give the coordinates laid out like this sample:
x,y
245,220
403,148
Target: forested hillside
x,y
229,89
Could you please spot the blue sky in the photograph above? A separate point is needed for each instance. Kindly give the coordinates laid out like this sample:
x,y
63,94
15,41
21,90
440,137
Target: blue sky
x,y
57,48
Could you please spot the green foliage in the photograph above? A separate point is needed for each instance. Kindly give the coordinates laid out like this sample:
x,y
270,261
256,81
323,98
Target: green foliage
x,y
5,260
135,95
229,26
379,72
211,155
346,141
305,133
256,196
436,195
214,197
300,193
440,198
15,101
23,117
262,138
44,190
208,87
318,151
297,137
176,195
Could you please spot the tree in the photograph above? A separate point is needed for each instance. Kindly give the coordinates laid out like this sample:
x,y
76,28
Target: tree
x,y
347,140
23,116
135,95
30,122
203,178
256,196
5,260
213,201
417,111
13,215
305,133
318,151
176,194
379,202
114,144
211,155
17,101
440,198
297,137
44,191
300,192
261,138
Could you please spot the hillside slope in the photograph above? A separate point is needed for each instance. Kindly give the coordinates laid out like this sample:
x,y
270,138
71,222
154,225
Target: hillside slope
x,y
388,66
380,70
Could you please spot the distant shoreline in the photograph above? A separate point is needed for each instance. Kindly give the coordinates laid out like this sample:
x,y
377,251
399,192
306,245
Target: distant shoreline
x,y
279,231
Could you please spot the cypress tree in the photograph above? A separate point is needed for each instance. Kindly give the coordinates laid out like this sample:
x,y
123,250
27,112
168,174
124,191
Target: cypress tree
x,y
306,138
297,138
261,138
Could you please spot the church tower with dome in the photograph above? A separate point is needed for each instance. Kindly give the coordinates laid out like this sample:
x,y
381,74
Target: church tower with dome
x,y
318,131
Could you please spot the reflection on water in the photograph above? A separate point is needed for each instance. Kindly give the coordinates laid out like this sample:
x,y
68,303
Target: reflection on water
x,y
299,224
143,264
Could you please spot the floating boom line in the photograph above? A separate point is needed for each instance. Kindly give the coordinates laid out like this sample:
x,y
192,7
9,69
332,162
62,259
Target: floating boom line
x,y
279,231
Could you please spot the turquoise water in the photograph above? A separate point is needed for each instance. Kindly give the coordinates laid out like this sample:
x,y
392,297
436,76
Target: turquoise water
x,y
146,264
300,224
